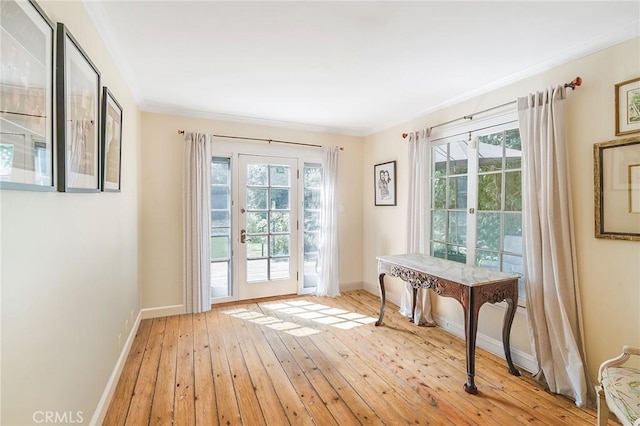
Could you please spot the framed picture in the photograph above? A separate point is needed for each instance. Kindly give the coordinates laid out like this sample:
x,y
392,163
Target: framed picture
x,y
617,189
111,142
385,183
78,115
628,107
26,97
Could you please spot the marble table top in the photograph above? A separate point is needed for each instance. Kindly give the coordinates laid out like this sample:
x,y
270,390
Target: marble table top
x,y
445,269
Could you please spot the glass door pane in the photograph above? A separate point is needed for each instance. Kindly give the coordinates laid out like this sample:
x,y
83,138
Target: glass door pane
x,y
221,280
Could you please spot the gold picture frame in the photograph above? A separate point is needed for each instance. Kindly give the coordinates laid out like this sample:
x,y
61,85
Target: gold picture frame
x,y
617,189
627,96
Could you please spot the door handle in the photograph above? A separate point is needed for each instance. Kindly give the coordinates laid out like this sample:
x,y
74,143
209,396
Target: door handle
x,y
243,236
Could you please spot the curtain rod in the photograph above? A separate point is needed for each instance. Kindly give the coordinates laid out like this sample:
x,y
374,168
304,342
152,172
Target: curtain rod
x,y
577,82
181,132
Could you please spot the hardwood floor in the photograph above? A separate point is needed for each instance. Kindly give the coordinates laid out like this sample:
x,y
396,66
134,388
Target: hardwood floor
x,y
321,361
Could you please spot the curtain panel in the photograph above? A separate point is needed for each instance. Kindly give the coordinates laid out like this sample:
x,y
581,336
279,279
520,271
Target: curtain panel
x,y
552,290
329,276
197,222
418,222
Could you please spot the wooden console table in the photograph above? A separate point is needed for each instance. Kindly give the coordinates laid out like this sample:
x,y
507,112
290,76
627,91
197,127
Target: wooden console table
x,y
472,286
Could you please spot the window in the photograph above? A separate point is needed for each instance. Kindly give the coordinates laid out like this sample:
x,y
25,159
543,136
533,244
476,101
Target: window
x,y
221,227
312,187
476,202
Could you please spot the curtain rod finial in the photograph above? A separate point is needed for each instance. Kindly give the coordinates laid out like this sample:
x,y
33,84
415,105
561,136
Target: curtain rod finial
x,y
577,82
404,135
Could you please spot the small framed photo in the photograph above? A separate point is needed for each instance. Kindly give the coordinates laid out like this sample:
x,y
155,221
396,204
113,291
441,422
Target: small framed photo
x,y
385,183
26,97
617,189
78,116
628,107
111,142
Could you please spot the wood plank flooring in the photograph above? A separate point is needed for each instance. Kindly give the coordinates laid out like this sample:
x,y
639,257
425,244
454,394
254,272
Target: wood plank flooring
x,y
309,360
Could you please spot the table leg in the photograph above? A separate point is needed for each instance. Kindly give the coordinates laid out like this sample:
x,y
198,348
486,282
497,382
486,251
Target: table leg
x,y
382,298
506,334
471,330
414,301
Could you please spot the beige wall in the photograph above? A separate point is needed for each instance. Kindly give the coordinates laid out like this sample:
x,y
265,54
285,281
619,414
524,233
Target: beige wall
x,y
162,168
609,271
69,271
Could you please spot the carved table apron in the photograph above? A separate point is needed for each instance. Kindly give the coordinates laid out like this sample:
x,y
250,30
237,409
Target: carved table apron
x,y
472,286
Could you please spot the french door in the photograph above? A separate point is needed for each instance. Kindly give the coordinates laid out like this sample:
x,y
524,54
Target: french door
x,y
267,226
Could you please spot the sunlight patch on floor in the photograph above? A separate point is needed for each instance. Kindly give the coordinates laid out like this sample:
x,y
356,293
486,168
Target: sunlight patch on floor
x,y
303,309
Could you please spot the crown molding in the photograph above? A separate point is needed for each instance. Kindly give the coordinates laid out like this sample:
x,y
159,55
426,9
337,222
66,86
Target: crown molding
x,y
162,108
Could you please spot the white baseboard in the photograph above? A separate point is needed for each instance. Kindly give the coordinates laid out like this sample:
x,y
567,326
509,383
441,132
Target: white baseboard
x,y
162,311
520,358
105,400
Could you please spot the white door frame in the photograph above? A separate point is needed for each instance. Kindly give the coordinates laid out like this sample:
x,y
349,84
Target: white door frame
x,y
232,148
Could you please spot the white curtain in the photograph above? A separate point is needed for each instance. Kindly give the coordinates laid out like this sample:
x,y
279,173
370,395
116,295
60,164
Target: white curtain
x,y
418,222
328,282
553,298
197,221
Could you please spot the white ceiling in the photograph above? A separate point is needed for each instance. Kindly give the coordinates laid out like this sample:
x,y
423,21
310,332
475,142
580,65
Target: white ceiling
x,y
347,67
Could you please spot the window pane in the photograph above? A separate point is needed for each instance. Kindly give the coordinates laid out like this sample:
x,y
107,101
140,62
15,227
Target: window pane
x,y
513,148
312,199
220,197
312,176
439,193
457,192
279,245
257,222
457,254
220,219
513,191
438,250
218,232
256,199
279,222
220,171
311,221
279,199
219,247
220,279
488,232
280,175
488,259
256,247
490,191
513,233
279,268
490,152
458,227
512,264
257,175
438,225
310,270
458,157
311,242
257,270
439,155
